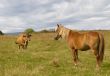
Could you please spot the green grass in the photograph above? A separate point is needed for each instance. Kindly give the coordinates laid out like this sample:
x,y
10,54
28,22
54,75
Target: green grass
x,y
43,50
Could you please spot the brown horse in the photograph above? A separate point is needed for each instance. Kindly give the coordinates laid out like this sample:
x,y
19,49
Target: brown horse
x,y
82,41
22,40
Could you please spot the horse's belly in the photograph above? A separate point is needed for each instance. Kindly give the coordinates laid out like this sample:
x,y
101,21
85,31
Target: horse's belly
x,y
84,48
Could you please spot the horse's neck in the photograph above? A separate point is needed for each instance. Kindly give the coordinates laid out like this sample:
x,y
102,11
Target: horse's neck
x,y
67,33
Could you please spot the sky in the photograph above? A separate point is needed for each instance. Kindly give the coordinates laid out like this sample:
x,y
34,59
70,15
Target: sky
x,y
18,15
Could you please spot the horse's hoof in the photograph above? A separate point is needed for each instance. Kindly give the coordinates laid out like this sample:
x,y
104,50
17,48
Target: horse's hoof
x,y
97,67
76,64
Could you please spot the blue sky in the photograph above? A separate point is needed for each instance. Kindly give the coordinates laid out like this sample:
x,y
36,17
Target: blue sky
x,y
18,15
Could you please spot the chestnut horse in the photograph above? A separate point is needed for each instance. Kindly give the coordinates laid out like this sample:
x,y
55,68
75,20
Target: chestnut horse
x,y
22,40
82,41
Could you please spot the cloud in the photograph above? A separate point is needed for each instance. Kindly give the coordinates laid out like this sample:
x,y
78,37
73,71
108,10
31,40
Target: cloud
x,y
18,15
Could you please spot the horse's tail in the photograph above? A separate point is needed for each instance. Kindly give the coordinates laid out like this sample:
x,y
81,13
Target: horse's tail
x,y
101,47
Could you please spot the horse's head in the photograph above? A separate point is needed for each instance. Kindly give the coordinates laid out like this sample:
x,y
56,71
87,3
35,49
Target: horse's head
x,y
59,31
26,37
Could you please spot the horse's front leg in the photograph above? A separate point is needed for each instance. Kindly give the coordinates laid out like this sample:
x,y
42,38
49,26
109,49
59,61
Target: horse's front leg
x,y
75,56
19,46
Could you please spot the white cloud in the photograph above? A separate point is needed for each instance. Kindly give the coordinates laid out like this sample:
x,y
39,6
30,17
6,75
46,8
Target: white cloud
x,y
94,19
18,15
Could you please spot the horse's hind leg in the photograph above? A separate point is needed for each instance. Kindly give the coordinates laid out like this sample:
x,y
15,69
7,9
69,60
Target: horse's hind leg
x,y
75,55
96,53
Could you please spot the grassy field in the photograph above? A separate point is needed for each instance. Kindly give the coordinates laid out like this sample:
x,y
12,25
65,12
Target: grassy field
x,y
42,53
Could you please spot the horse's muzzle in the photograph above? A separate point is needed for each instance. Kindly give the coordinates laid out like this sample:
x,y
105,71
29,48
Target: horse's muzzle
x,y
57,37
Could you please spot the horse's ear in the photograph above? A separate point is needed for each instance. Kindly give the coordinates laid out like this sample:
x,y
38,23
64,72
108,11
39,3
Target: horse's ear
x,y
61,25
58,25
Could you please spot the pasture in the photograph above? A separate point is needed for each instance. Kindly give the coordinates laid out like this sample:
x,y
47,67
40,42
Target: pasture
x,y
48,57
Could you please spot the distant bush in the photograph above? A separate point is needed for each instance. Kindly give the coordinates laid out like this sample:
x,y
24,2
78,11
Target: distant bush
x,y
47,31
29,30
44,31
1,33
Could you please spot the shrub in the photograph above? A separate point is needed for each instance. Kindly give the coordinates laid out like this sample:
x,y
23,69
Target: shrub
x,y
29,30
1,33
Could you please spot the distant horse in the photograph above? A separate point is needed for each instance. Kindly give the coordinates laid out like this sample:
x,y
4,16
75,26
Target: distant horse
x,y
22,40
82,41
